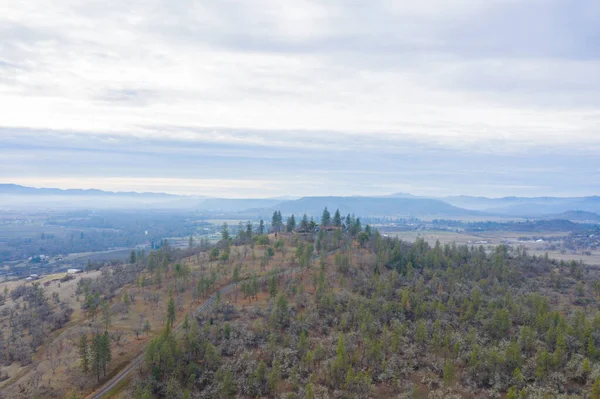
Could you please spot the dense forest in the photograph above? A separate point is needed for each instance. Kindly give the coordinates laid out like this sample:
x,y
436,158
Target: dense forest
x,y
368,316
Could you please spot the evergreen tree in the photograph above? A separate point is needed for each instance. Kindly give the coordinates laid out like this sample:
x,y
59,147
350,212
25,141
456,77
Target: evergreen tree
x,y
96,355
249,231
337,219
171,312
225,232
512,393
106,314
291,224
105,351
277,221
84,358
596,389
326,218
281,314
421,333
186,323
304,224
448,373
308,392
273,287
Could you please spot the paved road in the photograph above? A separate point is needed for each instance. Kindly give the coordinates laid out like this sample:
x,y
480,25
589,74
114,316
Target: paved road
x,y
138,360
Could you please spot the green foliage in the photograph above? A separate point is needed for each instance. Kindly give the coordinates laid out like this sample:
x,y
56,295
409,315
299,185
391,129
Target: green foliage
x,y
291,224
225,232
281,316
84,359
214,253
171,312
469,310
99,354
596,389
449,377
326,218
273,286
421,333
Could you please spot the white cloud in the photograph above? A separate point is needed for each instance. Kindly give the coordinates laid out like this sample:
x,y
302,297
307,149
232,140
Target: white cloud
x,y
474,76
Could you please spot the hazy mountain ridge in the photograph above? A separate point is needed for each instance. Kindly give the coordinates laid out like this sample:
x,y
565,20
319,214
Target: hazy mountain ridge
x,y
373,206
397,204
16,189
526,206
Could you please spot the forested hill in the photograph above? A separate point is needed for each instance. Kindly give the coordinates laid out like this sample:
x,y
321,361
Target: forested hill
x,y
369,316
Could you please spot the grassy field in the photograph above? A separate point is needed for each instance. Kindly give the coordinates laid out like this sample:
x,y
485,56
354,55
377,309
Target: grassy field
x,y
493,238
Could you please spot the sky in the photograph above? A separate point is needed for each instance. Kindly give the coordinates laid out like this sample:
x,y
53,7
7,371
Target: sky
x,y
262,98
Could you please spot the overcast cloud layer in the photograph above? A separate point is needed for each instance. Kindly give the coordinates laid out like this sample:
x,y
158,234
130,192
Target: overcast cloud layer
x,y
276,97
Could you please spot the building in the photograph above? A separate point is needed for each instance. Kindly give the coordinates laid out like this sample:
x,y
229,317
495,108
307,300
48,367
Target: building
x,y
74,271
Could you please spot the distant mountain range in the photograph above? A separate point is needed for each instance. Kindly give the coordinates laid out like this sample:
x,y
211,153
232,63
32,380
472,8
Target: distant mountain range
x,y
374,206
580,209
526,207
14,189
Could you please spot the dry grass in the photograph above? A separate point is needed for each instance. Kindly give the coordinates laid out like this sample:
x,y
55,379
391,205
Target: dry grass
x,y
493,238
57,360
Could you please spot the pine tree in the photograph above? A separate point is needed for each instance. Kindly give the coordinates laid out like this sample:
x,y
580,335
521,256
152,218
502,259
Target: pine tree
x,y
105,351
186,323
448,373
126,301
273,287
147,327
83,353
340,364
261,227
249,231
274,376
96,355
518,377
421,333
309,393
304,224
225,232
291,224
303,343
512,393
132,257
106,315
326,218
596,389
171,312
277,221
337,219
591,348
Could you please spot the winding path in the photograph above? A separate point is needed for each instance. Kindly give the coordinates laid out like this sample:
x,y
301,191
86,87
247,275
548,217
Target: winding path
x,y
139,359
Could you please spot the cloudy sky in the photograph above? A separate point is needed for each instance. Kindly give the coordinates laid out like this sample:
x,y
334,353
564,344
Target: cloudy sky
x,y
296,97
